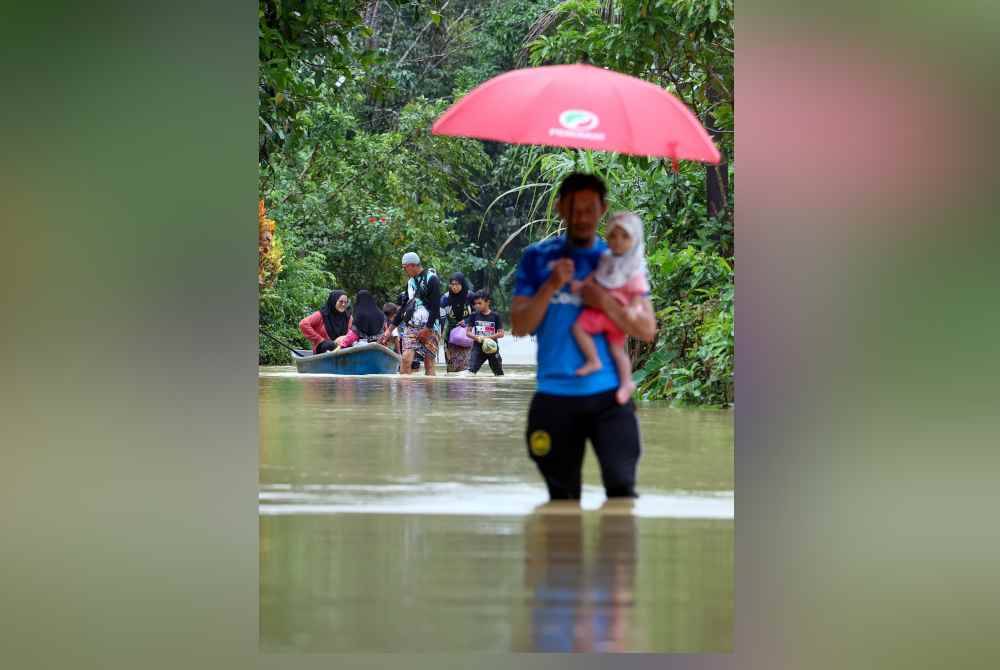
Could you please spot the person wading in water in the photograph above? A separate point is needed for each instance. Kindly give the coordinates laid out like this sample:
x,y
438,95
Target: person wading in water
x,y
456,307
567,409
420,315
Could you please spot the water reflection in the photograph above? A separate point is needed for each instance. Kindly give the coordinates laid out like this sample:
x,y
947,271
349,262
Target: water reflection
x,y
358,391
401,514
581,601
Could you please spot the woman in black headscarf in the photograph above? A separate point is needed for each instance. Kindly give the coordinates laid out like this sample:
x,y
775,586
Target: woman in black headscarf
x,y
328,327
368,320
455,307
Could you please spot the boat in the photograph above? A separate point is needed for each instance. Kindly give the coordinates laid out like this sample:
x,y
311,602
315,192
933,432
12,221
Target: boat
x,y
368,358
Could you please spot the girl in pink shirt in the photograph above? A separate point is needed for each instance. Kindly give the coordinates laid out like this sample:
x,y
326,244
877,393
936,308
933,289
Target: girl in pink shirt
x,y
622,271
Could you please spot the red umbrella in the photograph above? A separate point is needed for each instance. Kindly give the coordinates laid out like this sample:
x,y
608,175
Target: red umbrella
x,y
579,106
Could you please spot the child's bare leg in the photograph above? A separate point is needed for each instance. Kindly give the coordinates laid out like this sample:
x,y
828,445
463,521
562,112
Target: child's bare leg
x,y
626,387
591,362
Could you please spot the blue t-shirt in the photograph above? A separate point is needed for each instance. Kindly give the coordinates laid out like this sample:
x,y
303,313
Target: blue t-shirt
x,y
558,354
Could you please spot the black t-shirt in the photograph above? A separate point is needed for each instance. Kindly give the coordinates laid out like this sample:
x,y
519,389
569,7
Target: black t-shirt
x,y
484,325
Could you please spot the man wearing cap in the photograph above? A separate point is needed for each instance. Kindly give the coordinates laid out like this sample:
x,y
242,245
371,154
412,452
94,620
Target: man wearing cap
x,y
419,315
567,410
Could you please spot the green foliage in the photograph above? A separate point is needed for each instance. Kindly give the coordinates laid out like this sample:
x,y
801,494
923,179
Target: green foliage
x,y
348,167
336,177
305,48
685,46
301,289
693,358
353,178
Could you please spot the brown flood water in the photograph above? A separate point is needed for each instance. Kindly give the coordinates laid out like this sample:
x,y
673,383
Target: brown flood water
x,y
403,514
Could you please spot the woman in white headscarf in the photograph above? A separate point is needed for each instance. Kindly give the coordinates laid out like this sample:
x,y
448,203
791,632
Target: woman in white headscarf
x,y
622,271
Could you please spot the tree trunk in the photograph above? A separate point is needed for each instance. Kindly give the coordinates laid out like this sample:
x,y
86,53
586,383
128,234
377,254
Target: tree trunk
x,y
371,20
716,176
717,183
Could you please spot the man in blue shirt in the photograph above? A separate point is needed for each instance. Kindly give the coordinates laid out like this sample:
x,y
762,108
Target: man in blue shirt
x,y
566,409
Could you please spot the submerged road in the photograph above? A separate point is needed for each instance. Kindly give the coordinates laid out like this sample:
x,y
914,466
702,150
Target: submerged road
x,y
402,514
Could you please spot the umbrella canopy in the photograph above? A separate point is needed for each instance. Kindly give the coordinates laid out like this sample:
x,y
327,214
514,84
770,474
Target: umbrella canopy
x,y
583,107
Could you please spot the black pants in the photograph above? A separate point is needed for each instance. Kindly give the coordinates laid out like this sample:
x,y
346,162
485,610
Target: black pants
x,y
558,428
477,358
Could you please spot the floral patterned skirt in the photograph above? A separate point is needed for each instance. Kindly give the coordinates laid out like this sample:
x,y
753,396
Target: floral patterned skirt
x,y
458,358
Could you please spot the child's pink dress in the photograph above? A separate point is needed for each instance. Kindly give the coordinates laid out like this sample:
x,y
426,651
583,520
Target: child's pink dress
x,y
594,321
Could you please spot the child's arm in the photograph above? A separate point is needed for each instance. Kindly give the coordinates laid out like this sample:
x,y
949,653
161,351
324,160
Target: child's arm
x,y
603,262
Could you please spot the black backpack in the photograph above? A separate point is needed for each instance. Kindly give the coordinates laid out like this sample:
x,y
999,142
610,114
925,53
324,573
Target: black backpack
x,y
422,293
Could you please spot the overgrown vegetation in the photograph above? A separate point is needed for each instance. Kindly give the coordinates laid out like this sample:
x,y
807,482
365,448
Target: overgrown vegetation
x,y
348,91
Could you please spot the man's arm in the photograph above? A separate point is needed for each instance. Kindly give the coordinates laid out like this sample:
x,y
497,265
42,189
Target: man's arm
x,y
433,301
639,323
526,313
397,318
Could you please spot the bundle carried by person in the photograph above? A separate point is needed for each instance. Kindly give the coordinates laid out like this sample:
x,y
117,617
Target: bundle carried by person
x,y
459,338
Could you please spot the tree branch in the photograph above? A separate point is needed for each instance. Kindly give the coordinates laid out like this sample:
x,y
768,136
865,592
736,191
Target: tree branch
x,y
419,35
309,163
443,54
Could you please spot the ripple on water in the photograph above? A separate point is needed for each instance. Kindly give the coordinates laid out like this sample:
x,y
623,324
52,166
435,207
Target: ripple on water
x,y
474,499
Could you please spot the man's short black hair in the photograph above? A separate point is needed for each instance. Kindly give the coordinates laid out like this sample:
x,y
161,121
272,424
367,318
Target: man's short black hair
x,y
581,181
481,294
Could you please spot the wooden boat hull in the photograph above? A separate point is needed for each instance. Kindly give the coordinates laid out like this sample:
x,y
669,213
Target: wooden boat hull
x,y
361,359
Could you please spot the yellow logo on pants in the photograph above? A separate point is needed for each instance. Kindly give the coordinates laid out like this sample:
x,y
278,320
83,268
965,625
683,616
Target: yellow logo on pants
x,y
540,443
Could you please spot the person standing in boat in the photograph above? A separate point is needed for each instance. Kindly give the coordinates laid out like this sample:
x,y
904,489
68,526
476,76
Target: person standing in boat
x,y
367,321
456,307
420,315
327,328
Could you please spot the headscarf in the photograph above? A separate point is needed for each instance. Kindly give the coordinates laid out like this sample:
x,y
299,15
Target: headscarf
x,y
368,318
457,302
334,320
615,271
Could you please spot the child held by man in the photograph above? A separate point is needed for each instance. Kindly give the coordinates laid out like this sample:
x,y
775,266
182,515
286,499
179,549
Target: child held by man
x,y
622,271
